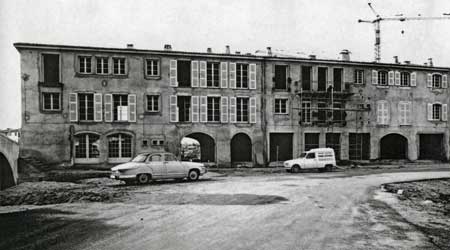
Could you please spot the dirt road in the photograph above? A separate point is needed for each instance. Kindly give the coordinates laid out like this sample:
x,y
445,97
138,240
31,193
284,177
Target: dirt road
x,y
278,211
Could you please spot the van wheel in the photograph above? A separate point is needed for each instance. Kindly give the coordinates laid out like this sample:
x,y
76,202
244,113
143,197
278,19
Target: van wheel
x,y
143,179
295,169
328,168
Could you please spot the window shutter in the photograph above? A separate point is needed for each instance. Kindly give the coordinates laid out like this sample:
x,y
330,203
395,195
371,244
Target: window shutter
x,y
413,79
430,111
408,113
132,108
202,75
379,112
232,75
444,112
108,108
98,107
252,76
73,107
429,80
391,78
195,108
194,73
387,115
203,108
224,75
374,77
253,110
329,76
397,78
444,81
173,109
233,109
224,109
173,73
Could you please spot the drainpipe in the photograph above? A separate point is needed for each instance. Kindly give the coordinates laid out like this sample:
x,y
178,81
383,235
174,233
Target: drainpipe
x,y
263,110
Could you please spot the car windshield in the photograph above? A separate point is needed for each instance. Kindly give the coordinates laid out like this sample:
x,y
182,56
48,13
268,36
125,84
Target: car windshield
x,y
303,155
140,158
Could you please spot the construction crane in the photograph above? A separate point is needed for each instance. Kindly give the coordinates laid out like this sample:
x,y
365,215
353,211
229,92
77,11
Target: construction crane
x,y
401,18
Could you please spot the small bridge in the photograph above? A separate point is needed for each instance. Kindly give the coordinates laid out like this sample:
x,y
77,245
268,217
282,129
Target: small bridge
x,y
9,154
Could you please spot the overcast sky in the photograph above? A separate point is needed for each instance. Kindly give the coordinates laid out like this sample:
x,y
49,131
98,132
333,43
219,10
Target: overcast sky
x,y
321,27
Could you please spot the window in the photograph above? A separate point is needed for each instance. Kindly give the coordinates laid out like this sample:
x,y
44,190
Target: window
x,y
119,146
437,81
102,65
170,157
383,112
87,146
157,142
359,146
119,66
383,78
212,74
120,107
405,79
86,107
405,113
51,101
85,64
152,67
153,103
311,141
338,113
322,112
155,158
322,79
184,108
280,76
242,76
306,112
213,109
242,109
306,78
51,68
437,112
281,106
184,73
337,79
311,156
332,140
359,76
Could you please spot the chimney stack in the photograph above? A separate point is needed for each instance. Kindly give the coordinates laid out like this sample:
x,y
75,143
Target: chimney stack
x,y
208,50
227,49
430,62
408,62
167,47
238,52
396,60
130,46
345,55
269,51
312,57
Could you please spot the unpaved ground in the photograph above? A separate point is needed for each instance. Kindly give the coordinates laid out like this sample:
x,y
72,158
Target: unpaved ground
x,y
274,211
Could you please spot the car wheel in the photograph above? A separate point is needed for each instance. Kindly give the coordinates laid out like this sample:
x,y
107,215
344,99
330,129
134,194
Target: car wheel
x,y
295,169
193,175
143,178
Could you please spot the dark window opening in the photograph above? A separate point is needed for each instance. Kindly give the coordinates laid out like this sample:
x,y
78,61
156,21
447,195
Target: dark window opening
x,y
242,76
337,79
152,67
51,68
359,146
120,107
322,79
431,147
359,76
306,78
242,109
213,109
212,74
102,65
119,146
281,106
86,107
405,79
51,101
153,103
184,108
119,66
87,146
280,76
332,140
241,148
85,64
311,141
184,73
393,146
437,81
280,146
338,113
322,112
382,78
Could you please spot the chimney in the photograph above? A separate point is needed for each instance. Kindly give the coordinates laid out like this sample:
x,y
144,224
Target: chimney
x,y
227,49
130,46
396,60
167,47
208,50
237,52
430,62
345,55
407,62
269,51
312,57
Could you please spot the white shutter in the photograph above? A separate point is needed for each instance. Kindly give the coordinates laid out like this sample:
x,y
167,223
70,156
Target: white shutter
x,y
252,76
387,114
132,108
391,78
232,75
374,77
444,112
173,106
203,108
98,111
397,78
429,80
413,79
73,107
408,111
430,111
233,109
194,74
444,81
173,73
224,75
382,112
202,74
224,109
379,112
404,109
195,108
108,108
253,110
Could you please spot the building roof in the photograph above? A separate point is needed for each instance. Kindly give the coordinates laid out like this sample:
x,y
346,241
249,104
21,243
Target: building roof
x,y
19,46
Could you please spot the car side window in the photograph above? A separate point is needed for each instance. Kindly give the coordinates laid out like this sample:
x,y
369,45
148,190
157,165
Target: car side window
x,y
311,156
155,158
170,157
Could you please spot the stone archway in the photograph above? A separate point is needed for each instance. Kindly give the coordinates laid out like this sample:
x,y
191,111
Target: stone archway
x,y
393,146
6,174
207,146
241,148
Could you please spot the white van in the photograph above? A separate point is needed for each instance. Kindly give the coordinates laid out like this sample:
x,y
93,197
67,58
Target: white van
x,y
321,158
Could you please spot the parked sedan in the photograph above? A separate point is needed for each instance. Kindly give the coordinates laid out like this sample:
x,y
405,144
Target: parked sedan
x,y
153,166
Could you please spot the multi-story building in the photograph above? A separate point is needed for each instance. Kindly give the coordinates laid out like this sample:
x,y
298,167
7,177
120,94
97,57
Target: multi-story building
x,y
90,105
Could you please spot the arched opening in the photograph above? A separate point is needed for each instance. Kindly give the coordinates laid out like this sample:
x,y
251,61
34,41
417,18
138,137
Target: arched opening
x,y
393,146
241,148
207,147
6,175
